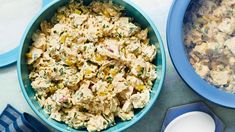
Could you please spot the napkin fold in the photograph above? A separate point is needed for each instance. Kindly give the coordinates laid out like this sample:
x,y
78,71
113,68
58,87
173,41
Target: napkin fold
x,y
11,120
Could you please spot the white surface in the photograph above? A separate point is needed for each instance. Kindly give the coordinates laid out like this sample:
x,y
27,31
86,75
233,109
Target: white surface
x,y
192,122
14,16
18,14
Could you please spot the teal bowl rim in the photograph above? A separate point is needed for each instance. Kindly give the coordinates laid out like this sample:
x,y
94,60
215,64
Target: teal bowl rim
x,y
134,120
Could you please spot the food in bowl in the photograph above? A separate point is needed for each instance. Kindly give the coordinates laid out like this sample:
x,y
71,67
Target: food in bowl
x,y
91,64
210,42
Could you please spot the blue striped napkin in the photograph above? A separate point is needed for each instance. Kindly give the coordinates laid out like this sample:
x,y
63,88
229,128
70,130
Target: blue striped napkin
x,y
12,120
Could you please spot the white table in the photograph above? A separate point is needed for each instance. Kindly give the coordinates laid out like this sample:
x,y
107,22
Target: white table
x,y
14,16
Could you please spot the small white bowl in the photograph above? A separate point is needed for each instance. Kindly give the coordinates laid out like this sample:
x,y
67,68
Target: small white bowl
x,y
195,117
192,122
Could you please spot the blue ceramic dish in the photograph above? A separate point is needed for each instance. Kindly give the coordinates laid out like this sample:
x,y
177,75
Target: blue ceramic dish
x,y
181,62
47,12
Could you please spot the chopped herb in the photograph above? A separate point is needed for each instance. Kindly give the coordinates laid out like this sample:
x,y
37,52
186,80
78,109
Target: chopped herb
x,y
109,79
140,73
49,108
132,29
83,110
126,69
119,35
84,9
194,26
61,71
111,66
142,70
105,26
91,62
104,123
75,115
61,33
66,104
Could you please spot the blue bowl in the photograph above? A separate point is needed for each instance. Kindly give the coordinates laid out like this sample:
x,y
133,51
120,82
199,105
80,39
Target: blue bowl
x,y
181,62
47,12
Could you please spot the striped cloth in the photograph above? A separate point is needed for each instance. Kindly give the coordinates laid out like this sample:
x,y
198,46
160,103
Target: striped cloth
x,y
12,120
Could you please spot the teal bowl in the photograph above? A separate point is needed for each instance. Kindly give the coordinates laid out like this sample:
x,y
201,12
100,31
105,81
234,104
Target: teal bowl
x,y
45,14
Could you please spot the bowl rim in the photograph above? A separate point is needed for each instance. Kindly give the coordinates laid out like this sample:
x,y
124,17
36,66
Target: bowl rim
x,y
134,120
181,63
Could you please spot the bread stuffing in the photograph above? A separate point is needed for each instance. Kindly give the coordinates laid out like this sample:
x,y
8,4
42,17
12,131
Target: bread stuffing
x,y
92,64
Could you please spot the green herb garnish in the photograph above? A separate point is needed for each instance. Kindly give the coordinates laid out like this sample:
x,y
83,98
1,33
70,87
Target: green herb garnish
x,y
109,79
111,66
140,73
61,71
